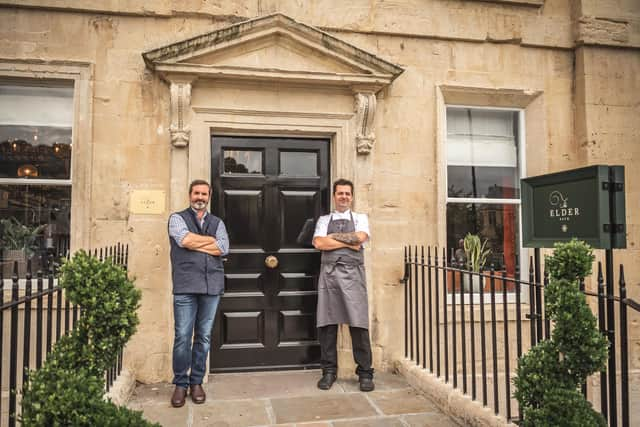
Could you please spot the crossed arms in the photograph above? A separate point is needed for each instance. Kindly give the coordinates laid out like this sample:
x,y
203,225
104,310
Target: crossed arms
x,y
215,246
335,241
200,243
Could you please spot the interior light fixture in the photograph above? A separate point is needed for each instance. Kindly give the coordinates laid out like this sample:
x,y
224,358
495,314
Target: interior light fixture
x,y
27,171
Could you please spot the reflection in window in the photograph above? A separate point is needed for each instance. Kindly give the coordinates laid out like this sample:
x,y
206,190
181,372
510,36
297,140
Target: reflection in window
x,y
35,131
36,123
483,163
298,163
242,161
38,216
482,153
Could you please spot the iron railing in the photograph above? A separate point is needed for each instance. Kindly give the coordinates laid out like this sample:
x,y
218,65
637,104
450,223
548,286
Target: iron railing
x,y
471,339
34,314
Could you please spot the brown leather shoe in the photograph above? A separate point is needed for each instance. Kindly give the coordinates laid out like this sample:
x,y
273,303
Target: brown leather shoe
x,y
197,393
179,395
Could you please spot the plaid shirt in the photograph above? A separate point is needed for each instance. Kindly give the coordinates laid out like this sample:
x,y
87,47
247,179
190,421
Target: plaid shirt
x,y
178,230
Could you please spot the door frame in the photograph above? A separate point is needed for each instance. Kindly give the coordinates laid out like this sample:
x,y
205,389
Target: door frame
x,y
286,353
210,121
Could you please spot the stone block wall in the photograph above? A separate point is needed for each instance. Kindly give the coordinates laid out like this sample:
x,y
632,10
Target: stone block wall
x,y
573,67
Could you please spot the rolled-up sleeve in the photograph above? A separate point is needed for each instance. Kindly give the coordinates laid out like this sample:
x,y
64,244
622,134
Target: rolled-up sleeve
x,y
177,229
222,238
321,226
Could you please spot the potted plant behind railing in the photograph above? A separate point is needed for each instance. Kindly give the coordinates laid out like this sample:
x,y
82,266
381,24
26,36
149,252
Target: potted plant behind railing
x,y
476,253
19,243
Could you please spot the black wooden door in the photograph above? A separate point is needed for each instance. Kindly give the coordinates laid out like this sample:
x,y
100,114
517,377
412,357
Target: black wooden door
x,y
264,189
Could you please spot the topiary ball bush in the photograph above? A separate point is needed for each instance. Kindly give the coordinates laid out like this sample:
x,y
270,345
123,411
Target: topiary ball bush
x,y
68,390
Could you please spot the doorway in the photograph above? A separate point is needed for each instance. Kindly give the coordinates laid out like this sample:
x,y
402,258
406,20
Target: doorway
x,y
264,189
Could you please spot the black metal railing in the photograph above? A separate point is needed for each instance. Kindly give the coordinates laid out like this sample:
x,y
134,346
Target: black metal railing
x,y
34,314
443,301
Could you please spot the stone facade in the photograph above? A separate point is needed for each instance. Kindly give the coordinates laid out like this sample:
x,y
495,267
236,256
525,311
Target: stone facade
x,y
573,67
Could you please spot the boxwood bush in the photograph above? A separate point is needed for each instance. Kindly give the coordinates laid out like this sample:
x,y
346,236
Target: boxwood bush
x,y
549,375
68,390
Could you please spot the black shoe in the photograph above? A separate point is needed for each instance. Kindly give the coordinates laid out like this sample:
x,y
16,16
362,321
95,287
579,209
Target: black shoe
x,y
366,383
326,381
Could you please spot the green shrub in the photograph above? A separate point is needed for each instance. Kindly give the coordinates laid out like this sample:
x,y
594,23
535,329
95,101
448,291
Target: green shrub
x,y
566,408
68,389
549,375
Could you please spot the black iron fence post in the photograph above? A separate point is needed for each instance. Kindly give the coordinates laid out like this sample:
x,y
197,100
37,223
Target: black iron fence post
x,y
538,288
611,369
494,343
13,364
604,407
445,328
532,304
505,319
416,312
624,348
26,331
409,313
463,334
405,280
483,345
454,342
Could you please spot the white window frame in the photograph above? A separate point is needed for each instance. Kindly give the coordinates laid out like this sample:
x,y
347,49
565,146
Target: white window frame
x,y
80,76
511,296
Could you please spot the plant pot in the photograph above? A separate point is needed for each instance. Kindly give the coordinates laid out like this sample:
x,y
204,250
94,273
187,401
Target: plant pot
x,y
475,283
9,259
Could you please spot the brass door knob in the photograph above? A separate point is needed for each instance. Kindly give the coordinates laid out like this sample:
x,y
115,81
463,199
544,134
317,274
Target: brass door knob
x,y
271,261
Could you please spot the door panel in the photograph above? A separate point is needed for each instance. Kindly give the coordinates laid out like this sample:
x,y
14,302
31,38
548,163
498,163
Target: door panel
x,y
264,189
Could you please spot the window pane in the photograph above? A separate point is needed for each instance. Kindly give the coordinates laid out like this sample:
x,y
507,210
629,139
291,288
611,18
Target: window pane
x,y
31,105
298,163
497,223
482,138
485,182
35,152
242,161
45,212
35,131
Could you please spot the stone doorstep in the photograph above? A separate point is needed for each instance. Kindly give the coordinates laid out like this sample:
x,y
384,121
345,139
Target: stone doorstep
x,y
291,399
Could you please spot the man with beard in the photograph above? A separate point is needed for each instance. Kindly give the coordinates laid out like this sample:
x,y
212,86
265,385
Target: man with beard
x,y
198,241
342,287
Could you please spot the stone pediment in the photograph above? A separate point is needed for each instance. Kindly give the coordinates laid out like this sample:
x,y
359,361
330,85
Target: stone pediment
x,y
272,48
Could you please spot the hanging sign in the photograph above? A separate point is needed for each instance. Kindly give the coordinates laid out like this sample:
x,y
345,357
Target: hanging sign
x,y
586,203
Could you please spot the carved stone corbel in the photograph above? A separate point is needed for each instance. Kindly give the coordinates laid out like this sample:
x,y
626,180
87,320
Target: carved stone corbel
x,y
180,103
365,109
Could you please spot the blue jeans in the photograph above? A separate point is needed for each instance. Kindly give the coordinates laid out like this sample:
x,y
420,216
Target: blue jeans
x,y
191,345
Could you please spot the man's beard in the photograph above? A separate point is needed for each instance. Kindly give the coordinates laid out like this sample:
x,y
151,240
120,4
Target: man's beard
x,y
199,205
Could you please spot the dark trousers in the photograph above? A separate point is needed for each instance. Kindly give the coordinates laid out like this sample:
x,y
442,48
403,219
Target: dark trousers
x,y
360,342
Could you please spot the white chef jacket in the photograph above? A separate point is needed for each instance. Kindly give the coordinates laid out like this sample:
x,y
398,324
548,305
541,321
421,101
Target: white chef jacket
x,y
360,221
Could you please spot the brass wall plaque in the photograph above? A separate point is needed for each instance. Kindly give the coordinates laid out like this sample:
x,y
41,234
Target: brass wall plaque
x,y
147,202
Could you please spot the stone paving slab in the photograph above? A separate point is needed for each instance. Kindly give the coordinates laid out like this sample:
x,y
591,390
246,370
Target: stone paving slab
x,y
291,399
429,420
401,402
371,422
239,413
267,384
329,407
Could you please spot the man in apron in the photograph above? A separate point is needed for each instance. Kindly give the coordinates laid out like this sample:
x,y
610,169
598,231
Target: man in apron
x,y
342,288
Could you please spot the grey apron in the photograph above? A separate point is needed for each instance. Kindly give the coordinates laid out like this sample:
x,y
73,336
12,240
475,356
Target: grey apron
x,y
342,287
